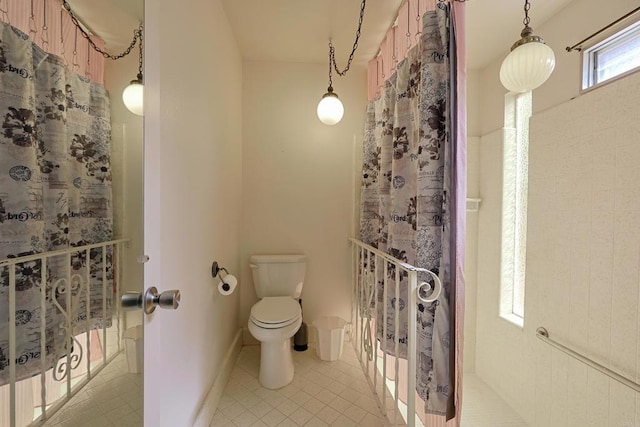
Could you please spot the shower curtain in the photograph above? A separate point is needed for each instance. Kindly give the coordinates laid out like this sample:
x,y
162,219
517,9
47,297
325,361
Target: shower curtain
x,y
410,197
55,193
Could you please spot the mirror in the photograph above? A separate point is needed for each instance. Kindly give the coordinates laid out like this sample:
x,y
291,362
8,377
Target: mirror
x,y
92,376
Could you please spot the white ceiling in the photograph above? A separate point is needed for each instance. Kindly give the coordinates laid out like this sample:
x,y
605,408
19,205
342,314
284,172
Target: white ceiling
x,y
299,30
113,20
493,26
295,30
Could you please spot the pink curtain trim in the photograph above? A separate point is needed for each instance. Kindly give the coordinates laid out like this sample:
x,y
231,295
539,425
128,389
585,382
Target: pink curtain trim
x,y
397,42
461,200
60,37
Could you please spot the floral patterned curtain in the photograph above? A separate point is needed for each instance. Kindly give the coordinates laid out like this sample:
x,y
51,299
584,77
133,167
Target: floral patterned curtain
x,y
55,193
406,205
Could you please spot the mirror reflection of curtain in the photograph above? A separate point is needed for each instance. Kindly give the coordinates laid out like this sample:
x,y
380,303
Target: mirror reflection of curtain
x,y
413,163
55,191
51,28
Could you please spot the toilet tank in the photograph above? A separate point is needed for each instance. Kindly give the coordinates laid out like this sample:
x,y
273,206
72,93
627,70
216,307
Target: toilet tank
x,y
278,275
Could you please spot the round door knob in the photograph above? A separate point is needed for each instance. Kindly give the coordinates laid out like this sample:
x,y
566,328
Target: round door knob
x,y
151,299
169,299
131,301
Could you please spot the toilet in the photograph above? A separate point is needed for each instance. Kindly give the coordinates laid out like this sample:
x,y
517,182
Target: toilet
x,y
276,317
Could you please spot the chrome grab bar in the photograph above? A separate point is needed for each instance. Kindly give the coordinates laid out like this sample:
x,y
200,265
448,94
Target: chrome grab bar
x,y
543,334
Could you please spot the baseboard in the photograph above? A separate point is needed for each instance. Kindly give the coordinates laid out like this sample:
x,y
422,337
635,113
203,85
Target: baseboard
x,y
208,408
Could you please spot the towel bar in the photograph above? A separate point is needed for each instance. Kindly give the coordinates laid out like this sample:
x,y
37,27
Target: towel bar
x,y
543,334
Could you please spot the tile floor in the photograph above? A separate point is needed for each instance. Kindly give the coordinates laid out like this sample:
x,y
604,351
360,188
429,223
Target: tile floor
x,y
112,398
482,407
321,394
334,393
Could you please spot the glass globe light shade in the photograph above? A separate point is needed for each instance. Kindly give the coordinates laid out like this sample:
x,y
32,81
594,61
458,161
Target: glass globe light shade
x,y
527,67
133,97
330,109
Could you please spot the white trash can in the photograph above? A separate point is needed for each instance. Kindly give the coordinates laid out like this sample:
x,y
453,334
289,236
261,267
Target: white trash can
x,y
330,337
134,348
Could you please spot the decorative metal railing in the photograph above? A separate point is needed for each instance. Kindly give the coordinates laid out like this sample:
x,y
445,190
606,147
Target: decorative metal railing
x,y
374,270
72,299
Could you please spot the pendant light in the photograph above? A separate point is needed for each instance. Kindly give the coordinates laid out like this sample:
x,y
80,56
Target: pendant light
x,y
530,62
133,95
330,109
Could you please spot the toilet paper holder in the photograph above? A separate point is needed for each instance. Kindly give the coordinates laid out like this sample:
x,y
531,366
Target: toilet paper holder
x,y
215,272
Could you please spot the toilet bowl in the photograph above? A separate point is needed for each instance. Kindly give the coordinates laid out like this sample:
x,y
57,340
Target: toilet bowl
x,y
273,321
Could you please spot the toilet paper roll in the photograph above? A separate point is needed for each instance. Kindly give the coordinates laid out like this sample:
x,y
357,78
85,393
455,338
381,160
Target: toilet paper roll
x,y
227,285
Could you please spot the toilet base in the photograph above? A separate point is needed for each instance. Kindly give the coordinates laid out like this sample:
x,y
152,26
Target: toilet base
x,y
276,364
276,360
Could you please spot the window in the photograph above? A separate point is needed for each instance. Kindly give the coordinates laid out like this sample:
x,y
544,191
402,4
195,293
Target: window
x,y
612,57
515,162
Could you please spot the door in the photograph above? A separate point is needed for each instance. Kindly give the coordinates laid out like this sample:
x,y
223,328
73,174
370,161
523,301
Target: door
x,y
192,200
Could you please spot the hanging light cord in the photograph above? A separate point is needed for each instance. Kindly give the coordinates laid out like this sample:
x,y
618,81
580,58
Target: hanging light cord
x,y
140,55
332,55
526,19
137,35
526,35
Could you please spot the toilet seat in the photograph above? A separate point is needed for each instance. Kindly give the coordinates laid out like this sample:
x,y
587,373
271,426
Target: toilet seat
x,y
275,312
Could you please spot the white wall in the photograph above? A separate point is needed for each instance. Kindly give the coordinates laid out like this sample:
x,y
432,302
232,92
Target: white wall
x,y
570,25
582,250
193,184
474,99
583,261
297,178
471,256
584,273
473,191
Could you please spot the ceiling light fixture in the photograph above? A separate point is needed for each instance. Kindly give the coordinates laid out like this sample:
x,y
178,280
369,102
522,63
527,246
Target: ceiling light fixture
x,y
330,109
133,95
530,62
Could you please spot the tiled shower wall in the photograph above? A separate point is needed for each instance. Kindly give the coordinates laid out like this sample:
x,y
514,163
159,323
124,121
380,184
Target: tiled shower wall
x,y
583,264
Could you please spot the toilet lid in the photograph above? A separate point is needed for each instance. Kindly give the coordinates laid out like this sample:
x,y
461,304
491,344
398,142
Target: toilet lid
x,y
275,311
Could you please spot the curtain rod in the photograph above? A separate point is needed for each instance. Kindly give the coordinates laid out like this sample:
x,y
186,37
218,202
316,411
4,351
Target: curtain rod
x,y
543,334
395,20
393,24
578,46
